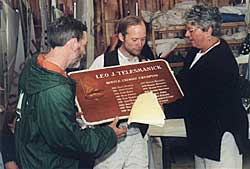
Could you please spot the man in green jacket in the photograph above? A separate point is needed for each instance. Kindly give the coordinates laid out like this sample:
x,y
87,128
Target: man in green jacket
x,y
47,134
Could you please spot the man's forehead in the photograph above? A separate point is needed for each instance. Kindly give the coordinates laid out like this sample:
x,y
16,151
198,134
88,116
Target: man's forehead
x,y
139,26
136,29
136,35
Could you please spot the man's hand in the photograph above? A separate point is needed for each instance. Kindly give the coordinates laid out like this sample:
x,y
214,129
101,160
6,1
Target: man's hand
x,y
118,131
78,114
11,165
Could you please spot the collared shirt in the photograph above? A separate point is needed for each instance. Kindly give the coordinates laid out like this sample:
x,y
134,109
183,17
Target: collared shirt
x,y
123,60
200,54
49,65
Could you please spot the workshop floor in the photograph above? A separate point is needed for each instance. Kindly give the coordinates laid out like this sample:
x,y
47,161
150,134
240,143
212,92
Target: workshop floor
x,y
182,158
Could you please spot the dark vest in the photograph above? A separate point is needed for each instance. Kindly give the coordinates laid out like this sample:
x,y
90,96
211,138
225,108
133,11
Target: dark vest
x,y
111,59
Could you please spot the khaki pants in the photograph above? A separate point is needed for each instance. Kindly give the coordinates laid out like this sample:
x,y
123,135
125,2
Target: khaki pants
x,y
230,157
130,153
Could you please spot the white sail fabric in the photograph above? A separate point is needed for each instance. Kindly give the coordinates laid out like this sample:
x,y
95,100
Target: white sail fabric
x,y
11,18
8,38
147,110
19,64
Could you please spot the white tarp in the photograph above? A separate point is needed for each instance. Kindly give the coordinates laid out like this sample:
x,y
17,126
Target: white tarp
x,y
8,37
19,64
11,18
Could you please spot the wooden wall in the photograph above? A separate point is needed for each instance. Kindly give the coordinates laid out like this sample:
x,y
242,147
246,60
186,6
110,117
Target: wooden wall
x,y
108,13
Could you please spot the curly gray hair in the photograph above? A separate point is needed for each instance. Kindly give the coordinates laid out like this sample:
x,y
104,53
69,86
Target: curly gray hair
x,y
204,16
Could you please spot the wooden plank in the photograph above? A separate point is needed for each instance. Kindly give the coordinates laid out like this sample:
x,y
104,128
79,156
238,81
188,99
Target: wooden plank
x,y
232,24
223,3
153,41
230,42
97,28
103,23
85,13
121,9
131,7
111,19
183,27
165,5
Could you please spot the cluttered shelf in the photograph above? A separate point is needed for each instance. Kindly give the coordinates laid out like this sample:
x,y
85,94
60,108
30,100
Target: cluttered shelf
x,y
184,46
182,27
229,41
169,40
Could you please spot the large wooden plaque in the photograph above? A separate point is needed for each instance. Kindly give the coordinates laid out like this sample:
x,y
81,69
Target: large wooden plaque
x,y
105,93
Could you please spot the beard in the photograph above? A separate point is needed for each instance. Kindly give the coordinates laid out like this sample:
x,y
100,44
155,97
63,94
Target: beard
x,y
133,52
76,63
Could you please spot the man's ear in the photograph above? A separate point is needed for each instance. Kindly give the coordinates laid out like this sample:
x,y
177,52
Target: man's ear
x,y
121,37
210,30
73,44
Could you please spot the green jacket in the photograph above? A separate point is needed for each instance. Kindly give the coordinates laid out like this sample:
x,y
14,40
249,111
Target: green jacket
x,y
47,134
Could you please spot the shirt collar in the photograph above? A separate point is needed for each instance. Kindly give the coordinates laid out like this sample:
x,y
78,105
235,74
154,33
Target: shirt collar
x,y
49,65
125,59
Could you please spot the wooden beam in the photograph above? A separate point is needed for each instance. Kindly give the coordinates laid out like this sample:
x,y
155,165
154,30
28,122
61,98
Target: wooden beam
x,y
85,13
103,23
121,8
